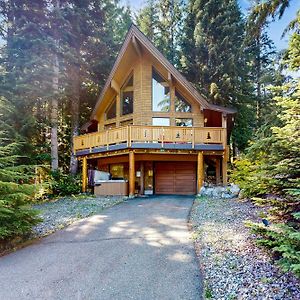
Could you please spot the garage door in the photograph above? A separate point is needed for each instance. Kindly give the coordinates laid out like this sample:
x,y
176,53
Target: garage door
x,y
175,178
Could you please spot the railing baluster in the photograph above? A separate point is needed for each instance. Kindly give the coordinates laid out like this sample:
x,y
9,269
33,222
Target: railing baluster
x,y
151,134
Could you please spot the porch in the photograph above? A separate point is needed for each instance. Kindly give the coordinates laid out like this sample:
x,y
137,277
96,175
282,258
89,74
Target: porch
x,y
159,171
151,137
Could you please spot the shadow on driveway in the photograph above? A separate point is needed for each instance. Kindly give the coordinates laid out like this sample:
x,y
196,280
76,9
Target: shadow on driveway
x,y
140,249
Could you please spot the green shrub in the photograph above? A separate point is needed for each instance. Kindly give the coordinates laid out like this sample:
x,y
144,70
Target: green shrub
x,y
16,193
283,241
65,184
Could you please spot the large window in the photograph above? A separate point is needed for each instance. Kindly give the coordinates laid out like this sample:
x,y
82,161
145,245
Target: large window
x,y
127,96
161,121
111,111
184,122
160,93
181,105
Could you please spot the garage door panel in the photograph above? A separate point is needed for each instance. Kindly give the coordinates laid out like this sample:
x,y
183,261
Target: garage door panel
x,y
175,178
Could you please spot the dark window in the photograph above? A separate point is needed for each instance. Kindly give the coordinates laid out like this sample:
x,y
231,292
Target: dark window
x,y
160,93
181,105
126,122
110,126
127,97
184,122
111,111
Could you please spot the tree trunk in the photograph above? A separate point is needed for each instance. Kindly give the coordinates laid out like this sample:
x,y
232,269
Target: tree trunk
x,y
54,101
54,115
75,104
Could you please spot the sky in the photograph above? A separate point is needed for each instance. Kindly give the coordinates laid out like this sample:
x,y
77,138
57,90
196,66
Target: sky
x,y
275,30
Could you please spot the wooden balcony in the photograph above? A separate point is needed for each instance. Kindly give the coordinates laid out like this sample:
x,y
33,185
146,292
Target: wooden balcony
x,y
162,136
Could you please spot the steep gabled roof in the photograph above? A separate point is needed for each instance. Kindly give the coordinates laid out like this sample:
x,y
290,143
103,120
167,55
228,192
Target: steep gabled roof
x,y
134,32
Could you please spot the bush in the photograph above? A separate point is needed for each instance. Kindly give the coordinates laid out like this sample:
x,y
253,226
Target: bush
x,y
16,192
283,241
65,184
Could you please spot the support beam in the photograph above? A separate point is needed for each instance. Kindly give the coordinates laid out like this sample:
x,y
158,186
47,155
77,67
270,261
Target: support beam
x,y
218,171
84,174
200,171
224,168
137,47
114,85
131,174
142,178
170,78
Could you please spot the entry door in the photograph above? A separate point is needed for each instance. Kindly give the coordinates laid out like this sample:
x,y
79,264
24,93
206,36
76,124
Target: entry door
x,y
175,178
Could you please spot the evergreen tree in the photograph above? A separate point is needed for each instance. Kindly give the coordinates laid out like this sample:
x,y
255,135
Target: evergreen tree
x,y
16,217
161,21
147,20
215,60
211,47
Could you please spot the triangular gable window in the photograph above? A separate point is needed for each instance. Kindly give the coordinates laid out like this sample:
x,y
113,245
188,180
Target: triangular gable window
x,y
181,105
160,93
111,112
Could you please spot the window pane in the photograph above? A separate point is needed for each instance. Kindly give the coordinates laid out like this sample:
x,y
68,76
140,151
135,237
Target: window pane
x,y
161,121
110,126
111,112
184,122
127,97
181,104
160,93
127,103
117,171
126,122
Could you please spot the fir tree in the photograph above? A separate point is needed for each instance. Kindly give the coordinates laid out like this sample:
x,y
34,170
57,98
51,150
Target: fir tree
x,y
147,20
16,217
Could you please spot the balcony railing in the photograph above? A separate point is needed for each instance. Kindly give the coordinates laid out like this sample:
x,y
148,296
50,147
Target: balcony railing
x,y
151,134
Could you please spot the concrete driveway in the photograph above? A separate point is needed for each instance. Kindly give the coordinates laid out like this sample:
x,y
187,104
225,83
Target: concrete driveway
x,y
140,249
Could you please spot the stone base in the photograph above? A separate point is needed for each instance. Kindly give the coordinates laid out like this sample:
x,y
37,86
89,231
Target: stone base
x,y
224,192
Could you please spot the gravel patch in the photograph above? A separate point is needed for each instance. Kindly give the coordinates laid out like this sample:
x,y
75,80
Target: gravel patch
x,y
64,211
233,266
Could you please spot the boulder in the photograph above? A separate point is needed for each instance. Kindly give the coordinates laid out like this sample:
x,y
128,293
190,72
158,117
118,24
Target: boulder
x,y
227,192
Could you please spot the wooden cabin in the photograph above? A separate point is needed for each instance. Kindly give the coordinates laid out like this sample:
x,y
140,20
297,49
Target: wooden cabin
x,y
151,128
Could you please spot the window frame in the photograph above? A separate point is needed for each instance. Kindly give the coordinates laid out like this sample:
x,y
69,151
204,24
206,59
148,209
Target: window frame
x,y
183,99
109,107
125,88
179,118
169,86
162,118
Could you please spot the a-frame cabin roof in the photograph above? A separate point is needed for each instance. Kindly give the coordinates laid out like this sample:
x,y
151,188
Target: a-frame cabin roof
x,y
135,35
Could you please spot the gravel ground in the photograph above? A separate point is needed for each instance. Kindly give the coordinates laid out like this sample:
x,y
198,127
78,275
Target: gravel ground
x,y
64,211
233,266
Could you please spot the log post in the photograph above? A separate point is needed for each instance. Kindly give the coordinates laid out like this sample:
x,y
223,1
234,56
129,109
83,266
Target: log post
x,y
200,171
84,174
142,178
218,171
224,167
131,174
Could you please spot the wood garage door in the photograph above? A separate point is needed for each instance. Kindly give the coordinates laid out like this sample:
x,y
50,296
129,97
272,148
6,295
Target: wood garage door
x,y
175,178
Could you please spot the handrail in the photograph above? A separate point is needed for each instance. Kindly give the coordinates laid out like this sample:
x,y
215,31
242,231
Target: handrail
x,y
151,134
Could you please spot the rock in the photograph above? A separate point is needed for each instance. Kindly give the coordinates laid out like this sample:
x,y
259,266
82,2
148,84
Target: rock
x,y
234,189
228,192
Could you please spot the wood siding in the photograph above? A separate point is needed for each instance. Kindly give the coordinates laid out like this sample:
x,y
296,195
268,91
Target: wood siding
x,y
142,113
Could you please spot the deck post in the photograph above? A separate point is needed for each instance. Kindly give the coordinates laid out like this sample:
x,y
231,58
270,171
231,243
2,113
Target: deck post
x,y
84,174
224,167
218,171
131,174
142,178
200,171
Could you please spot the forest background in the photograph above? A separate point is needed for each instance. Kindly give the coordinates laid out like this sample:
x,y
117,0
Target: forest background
x,y
55,56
